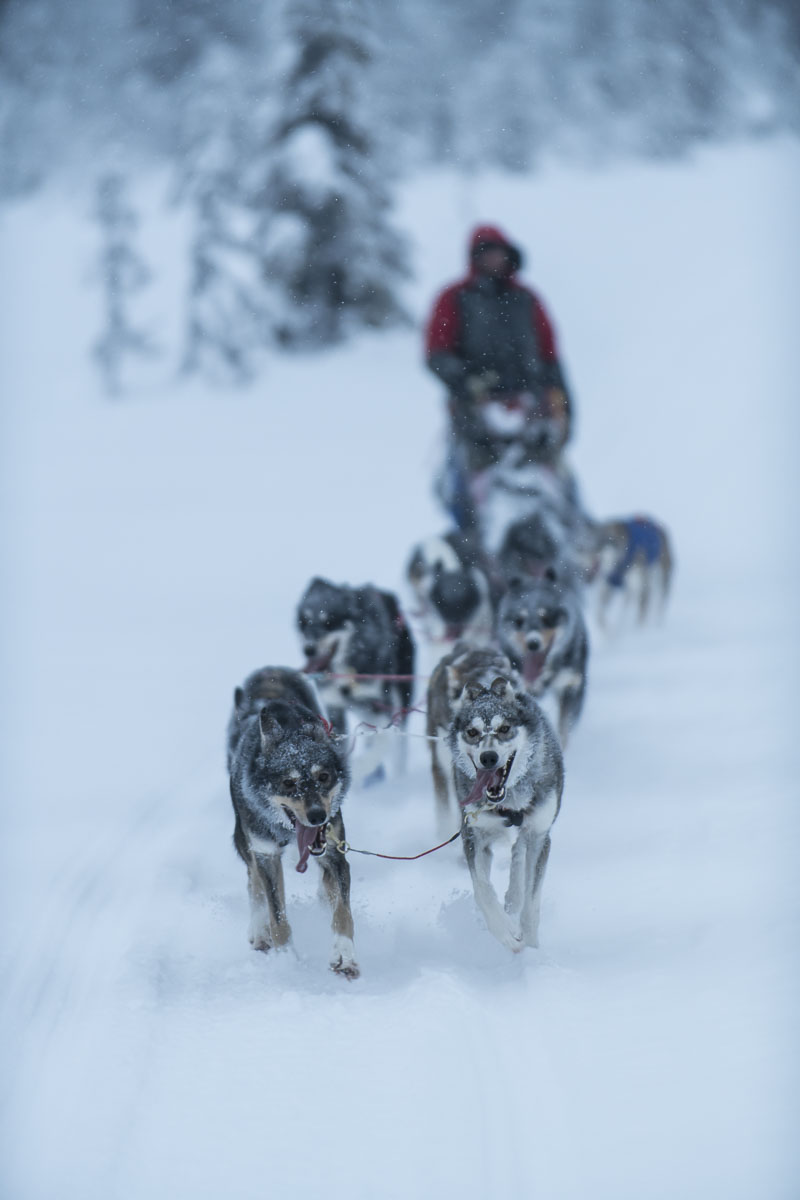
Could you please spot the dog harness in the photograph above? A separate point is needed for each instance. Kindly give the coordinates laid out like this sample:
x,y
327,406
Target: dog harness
x,y
644,538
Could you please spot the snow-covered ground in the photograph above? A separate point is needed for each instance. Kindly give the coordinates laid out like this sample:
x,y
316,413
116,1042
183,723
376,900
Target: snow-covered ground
x,y
155,548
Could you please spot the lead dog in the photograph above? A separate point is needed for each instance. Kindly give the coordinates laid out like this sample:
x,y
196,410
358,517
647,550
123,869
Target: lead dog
x,y
541,628
288,777
508,773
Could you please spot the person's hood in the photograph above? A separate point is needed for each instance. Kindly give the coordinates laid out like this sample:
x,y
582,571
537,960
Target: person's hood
x,y
490,235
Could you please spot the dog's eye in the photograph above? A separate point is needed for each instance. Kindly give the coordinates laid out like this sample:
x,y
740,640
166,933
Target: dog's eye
x,y
519,621
288,785
323,778
504,729
473,734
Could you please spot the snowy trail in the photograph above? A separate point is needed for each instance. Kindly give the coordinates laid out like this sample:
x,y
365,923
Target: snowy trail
x,y
158,551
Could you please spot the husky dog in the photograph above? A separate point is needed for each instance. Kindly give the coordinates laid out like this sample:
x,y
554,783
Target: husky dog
x,y
350,632
288,777
541,628
465,668
451,590
633,558
517,488
508,773
532,545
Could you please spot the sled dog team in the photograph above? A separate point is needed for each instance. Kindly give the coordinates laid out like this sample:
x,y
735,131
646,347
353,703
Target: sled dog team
x,y
506,602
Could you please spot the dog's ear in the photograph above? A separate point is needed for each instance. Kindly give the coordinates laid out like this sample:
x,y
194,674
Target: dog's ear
x,y
271,728
453,682
474,690
315,730
238,697
500,686
515,583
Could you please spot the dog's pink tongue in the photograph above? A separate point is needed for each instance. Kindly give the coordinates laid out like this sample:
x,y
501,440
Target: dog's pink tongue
x,y
483,780
306,836
533,665
318,663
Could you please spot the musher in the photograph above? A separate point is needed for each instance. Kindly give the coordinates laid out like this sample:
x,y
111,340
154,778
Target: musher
x,y
490,341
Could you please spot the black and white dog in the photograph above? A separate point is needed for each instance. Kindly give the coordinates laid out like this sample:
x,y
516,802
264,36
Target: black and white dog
x,y
288,778
353,639
508,773
451,589
540,626
356,642
516,489
465,669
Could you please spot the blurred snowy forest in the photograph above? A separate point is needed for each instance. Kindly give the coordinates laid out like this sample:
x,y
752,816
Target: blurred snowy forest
x,y
284,125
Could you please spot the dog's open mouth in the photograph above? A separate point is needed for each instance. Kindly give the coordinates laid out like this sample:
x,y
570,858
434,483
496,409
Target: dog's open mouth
x,y
310,840
533,664
491,784
318,663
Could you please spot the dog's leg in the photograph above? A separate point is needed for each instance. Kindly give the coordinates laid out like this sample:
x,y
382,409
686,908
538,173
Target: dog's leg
x,y
516,881
336,881
645,591
570,703
665,578
479,860
369,757
401,741
441,768
260,937
538,852
268,902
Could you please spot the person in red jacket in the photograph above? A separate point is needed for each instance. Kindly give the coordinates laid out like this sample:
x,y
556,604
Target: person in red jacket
x,y
489,338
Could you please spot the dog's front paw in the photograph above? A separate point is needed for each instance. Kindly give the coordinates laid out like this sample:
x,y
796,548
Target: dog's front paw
x,y
349,968
512,941
343,958
505,932
260,940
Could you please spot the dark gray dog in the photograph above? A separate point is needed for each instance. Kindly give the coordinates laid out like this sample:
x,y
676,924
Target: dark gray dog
x,y
508,773
541,628
288,777
348,632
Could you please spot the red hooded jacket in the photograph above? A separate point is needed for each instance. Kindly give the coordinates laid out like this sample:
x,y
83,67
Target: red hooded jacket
x,y
482,323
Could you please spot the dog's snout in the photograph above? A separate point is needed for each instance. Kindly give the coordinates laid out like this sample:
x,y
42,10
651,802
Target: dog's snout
x,y
489,759
533,642
316,815
309,649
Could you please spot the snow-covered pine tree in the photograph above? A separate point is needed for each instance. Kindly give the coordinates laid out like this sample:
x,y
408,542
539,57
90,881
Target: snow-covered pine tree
x,y
227,306
123,273
329,253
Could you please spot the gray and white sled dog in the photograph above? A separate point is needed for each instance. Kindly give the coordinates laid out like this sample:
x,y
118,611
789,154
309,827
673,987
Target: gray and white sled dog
x,y
517,489
451,589
288,777
540,626
356,641
508,772
467,669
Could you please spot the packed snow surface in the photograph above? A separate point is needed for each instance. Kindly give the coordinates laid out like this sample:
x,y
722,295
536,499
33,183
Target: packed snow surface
x,y
156,547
